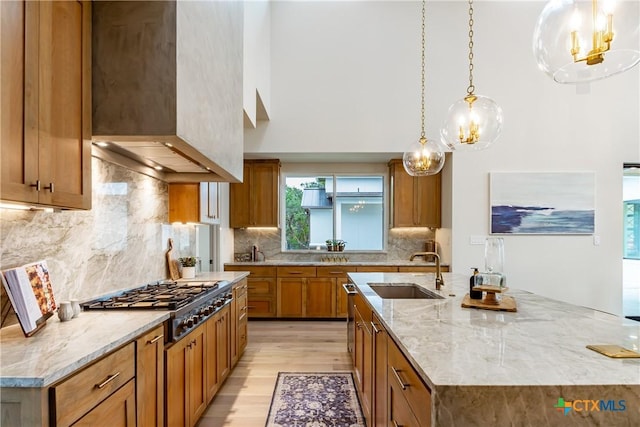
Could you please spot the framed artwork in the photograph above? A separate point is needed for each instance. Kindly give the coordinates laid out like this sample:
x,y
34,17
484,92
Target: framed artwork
x,y
542,202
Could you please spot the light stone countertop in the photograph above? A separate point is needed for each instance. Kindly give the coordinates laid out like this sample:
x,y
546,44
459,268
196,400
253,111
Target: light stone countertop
x,y
276,262
509,366
61,348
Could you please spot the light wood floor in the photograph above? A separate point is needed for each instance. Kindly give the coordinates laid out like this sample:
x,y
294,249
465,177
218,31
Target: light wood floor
x,y
274,346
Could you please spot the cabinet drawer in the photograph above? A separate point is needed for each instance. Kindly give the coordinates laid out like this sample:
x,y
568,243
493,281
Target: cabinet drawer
x,y
291,271
402,375
363,309
256,271
75,396
260,286
334,271
261,308
119,409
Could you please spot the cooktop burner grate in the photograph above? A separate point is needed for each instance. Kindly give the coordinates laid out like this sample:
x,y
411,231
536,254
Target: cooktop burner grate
x,y
159,296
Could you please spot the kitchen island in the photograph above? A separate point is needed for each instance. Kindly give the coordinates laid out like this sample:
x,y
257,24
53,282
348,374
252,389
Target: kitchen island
x,y
511,368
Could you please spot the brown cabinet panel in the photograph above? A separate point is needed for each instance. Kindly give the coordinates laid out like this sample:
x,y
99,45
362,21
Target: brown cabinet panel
x,y
334,271
415,201
379,410
261,308
119,409
223,352
291,271
76,395
342,299
399,411
254,202
254,270
211,368
184,202
320,297
46,139
290,297
416,393
186,379
150,378
262,286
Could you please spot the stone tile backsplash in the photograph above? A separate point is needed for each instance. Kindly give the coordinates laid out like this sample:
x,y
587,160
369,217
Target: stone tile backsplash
x,y
121,242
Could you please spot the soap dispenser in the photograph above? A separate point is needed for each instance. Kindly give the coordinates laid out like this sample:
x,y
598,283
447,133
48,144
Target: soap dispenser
x,y
472,282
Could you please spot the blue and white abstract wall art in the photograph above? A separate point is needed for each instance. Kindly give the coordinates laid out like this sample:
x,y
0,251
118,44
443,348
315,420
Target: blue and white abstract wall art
x,y
542,202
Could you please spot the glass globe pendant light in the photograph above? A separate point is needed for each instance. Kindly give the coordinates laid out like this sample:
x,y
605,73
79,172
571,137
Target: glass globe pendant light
x,y
475,121
578,41
424,157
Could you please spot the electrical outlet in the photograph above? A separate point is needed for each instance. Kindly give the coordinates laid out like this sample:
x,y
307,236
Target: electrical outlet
x,y
477,240
596,240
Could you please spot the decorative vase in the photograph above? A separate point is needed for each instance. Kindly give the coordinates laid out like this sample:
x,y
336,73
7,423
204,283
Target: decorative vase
x,y
188,272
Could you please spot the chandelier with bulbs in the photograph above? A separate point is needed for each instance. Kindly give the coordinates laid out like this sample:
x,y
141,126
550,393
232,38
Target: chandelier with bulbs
x,y
424,157
475,121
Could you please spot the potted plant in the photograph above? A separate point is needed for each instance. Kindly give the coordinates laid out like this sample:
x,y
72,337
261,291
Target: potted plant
x,y
188,267
330,247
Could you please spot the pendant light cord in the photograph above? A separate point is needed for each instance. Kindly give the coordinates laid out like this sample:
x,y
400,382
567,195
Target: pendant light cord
x,y
471,87
422,133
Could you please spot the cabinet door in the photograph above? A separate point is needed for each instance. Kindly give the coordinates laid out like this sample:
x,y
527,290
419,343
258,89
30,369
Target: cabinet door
x,y
290,297
264,194
196,375
239,200
320,297
64,103
119,409
342,300
379,392
223,341
209,203
184,202
186,380
176,380
428,200
403,211
211,366
400,413
150,378
19,98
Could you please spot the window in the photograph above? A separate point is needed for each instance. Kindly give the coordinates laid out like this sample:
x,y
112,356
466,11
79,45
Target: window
x,y
631,212
334,207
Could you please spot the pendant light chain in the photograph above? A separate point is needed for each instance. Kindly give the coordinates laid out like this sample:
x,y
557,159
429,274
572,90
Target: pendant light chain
x,y
471,87
422,113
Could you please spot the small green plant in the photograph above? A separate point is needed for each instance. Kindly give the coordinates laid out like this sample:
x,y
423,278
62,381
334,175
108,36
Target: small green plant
x,y
188,261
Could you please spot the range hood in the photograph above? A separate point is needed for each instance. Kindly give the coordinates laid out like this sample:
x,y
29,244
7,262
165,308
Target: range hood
x,y
167,88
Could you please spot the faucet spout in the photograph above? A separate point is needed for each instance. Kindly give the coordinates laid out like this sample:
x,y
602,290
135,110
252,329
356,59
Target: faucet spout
x,y
439,278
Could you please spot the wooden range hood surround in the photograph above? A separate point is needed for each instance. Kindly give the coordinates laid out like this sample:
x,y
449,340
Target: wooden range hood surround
x,y
169,72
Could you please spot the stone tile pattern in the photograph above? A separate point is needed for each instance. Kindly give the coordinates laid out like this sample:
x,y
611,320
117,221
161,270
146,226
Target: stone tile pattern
x,y
87,251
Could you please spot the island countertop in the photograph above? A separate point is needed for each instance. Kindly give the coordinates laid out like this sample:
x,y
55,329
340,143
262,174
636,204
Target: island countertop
x,y
488,358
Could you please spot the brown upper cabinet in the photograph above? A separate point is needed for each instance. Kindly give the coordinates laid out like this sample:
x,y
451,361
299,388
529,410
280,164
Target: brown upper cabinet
x,y
254,202
46,103
194,202
415,201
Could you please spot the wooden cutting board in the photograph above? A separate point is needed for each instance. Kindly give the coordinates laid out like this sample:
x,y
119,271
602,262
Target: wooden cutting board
x,y
172,264
506,304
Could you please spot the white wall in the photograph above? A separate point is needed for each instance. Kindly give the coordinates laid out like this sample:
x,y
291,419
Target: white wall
x,y
345,78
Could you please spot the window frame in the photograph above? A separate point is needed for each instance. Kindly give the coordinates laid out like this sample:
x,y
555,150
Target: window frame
x,y
294,170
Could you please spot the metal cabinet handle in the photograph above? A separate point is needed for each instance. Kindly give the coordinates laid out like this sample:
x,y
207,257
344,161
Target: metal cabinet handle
x,y
295,272
375,329
397,374
50,187
36,185
155,339
108,380
395,424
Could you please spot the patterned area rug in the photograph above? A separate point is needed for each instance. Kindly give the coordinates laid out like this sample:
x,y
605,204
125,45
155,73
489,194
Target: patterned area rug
x,y
315,399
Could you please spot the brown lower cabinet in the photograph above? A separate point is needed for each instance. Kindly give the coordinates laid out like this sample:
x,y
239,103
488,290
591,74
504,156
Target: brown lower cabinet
x,y
391,391
186,384
289,291
150,378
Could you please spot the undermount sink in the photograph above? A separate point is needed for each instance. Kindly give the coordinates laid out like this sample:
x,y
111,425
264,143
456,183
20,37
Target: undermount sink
x,y
403,291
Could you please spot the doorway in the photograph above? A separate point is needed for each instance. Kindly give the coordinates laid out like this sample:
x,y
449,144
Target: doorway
x,y
631,240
